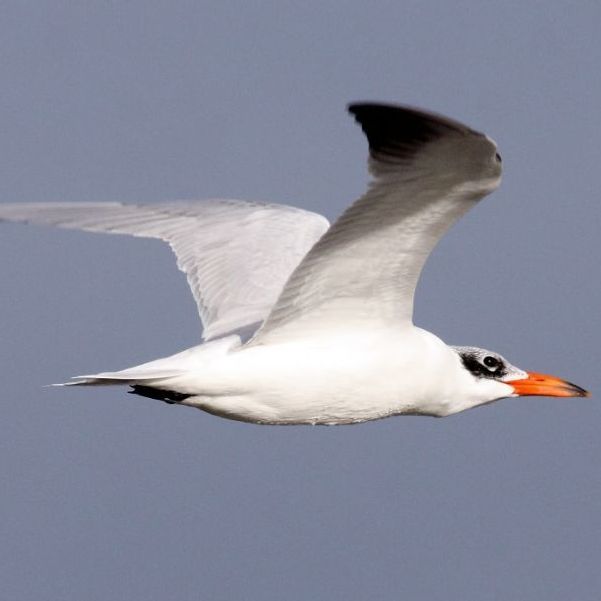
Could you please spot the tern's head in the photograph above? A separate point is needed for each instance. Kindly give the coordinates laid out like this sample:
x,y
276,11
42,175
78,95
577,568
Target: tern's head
x,y
494,378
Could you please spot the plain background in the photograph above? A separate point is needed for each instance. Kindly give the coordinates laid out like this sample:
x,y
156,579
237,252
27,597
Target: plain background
x,y
107,496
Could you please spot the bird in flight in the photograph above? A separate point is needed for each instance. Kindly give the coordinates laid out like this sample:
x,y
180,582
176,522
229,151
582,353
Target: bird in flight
x,y
310,323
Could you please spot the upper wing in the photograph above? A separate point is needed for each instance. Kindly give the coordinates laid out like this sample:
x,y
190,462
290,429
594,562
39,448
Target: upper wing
x,y
427,172
236,255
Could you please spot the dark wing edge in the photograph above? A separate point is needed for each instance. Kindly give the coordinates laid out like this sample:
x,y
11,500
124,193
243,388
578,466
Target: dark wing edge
x,y
395,133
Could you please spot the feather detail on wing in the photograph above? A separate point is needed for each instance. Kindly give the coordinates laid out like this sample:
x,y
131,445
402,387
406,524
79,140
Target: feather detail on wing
x,y
427,172
236,255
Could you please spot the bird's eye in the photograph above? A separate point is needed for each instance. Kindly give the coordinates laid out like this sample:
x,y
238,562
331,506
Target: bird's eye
x,y
498,157
491,362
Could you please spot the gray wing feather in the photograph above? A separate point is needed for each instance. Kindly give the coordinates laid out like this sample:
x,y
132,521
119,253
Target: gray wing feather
x,y
236,255
427,172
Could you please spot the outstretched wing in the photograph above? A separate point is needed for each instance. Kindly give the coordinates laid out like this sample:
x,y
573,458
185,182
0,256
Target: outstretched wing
x,y
236,255
427,172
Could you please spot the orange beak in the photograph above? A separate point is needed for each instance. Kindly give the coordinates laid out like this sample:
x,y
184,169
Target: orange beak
x,y
543,385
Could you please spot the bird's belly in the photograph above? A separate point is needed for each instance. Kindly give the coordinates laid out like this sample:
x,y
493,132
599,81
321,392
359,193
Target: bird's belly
x,y
304,398
317,384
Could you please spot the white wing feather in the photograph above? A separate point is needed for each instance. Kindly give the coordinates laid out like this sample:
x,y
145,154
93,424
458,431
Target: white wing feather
x,y
236,255
428,171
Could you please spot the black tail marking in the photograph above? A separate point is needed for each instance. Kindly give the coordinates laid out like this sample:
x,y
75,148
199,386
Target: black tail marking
x,y
169,396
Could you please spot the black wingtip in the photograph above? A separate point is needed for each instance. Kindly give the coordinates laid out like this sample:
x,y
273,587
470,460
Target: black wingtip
x,y
398,131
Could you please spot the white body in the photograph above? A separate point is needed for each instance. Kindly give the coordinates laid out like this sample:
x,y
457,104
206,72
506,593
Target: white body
x,y
328,309
335,379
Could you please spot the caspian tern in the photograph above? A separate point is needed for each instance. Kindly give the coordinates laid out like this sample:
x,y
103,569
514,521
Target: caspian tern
x,y
310,324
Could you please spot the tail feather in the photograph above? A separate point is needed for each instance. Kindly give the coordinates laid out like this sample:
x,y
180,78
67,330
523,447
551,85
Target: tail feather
x,y
127,376
146,390
159,371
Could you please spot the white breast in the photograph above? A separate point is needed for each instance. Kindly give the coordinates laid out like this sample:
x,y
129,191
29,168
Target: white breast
x,y
337,379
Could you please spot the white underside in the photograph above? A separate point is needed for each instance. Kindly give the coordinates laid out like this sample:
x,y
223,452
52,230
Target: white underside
x,y
335,379
336,344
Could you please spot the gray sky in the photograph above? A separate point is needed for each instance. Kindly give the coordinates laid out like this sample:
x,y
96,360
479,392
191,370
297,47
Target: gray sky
x,y
106,496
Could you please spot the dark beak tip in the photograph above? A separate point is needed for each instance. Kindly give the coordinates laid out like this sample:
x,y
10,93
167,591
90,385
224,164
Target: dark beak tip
x,y
578,391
